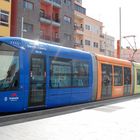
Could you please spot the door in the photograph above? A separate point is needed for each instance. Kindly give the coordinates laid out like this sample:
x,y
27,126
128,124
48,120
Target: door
x,y
37,81
57,17
106,81
127,81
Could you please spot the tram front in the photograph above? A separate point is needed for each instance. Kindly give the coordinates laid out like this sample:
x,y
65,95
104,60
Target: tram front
x,y
10,94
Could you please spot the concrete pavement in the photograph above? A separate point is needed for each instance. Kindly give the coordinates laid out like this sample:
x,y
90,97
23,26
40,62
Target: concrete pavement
x,y
120,121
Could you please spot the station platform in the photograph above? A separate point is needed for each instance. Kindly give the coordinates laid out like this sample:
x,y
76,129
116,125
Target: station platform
x,y
119,121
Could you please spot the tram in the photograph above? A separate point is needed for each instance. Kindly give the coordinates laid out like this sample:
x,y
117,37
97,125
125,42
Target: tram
x,y
36,75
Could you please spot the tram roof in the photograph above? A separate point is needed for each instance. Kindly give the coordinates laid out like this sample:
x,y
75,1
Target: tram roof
x,y
23,43
113,60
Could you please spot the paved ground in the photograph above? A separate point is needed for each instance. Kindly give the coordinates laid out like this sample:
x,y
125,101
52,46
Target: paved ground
x,y
119,121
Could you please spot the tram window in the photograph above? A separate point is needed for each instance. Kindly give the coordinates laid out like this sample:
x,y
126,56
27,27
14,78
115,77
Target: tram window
x,y
80,74
118,76
9,67
138,76
60,71
127,76
37,69
66,73
106,74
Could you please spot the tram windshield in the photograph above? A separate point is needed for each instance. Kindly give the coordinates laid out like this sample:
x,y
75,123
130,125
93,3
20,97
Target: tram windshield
x,y
9,67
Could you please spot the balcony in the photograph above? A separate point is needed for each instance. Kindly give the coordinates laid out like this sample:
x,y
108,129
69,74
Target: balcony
x,y
45,18
49,38
45,37
78,45
79,30
102,48
78,16
80,9
56,3
101,35
56,22
57,40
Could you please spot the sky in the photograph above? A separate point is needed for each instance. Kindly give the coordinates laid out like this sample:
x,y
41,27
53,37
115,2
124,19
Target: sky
x,y
107,11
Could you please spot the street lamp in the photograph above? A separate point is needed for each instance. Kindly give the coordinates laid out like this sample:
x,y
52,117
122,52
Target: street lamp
x,y
22,22
22,27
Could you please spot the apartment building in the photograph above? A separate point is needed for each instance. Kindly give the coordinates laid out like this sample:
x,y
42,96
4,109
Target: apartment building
x,y
67,23
5,17
89,34
108,45
46,20
25,20
62,22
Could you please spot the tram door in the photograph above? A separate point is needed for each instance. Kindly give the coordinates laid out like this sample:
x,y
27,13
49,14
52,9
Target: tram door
x,y
37,81
106,81
127,81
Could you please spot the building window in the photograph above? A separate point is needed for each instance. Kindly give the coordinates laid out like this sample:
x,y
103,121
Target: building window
x,y
87,42
42,13
95,44
67,19
67,2
118,76
4,18
96,29
28,5
28,27
102,50
109,53
87,27
138,76
67,36
81,42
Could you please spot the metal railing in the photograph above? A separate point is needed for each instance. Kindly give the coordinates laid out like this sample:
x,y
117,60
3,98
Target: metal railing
x,y
101,35
77,44
45,16
78,28
48,17
49,38
45,37
54,1
56,20
54,39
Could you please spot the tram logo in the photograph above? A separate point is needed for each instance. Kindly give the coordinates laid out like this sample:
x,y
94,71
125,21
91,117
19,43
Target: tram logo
x,y
13,97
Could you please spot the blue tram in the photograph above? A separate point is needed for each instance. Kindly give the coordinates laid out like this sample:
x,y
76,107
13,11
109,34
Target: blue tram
x,y
40,75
